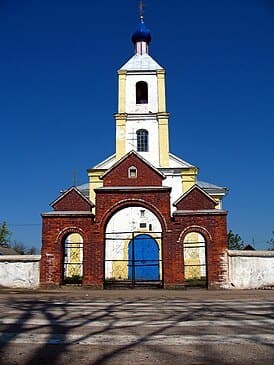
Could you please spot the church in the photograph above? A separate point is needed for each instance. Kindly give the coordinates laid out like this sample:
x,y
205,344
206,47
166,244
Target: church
x,y
143,219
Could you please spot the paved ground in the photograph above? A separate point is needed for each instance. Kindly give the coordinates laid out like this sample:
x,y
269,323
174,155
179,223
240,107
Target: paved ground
x,y
136,327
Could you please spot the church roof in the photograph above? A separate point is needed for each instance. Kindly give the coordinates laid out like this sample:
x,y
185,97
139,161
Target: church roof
x,y
175,162
142,62
206,186
211,188
106,164
84,188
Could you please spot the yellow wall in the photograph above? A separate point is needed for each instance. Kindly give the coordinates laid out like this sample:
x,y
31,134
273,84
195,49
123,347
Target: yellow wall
x,y
120,135
161,91
94,182
218,201
163,139
189,178
122,74
162,117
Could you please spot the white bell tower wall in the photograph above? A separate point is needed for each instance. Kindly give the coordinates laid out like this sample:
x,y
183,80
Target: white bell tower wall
x,y
149,123
152,103
146,112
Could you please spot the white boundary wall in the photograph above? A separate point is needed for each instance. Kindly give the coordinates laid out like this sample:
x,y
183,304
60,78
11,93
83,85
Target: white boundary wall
x,y
247,270
250,269
20,271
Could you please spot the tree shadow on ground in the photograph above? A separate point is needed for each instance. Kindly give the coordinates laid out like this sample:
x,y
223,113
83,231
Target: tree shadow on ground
x,y
58,325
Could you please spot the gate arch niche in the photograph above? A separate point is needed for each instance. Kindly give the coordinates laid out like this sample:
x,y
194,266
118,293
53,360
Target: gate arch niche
x,y
195,259
133,247
72,258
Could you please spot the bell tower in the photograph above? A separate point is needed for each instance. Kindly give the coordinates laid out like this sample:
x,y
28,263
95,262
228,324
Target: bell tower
x,y
142,119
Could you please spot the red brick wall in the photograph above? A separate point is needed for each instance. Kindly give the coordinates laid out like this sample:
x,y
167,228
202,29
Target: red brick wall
x,y
213,228
56,228
72,201
145,175
195,200
106,201
94,259
54,232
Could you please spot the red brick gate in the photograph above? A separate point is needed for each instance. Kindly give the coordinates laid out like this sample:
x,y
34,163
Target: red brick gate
x,y
72,213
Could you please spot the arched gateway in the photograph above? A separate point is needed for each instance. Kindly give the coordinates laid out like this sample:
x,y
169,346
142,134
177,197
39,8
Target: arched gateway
x,y
133,252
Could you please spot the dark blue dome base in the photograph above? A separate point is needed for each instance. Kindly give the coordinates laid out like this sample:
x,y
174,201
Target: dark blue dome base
x,y
142,33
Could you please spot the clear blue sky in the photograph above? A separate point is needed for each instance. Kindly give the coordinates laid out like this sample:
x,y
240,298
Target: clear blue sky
x,y
58,93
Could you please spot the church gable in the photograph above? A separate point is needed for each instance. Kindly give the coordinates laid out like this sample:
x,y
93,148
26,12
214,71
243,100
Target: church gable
x,y
72,200
132,170
195,199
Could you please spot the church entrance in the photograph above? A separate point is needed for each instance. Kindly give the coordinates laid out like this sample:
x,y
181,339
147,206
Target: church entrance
x,y
133,257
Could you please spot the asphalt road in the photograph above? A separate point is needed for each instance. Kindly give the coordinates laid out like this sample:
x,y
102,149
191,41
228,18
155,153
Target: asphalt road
x,y
137,327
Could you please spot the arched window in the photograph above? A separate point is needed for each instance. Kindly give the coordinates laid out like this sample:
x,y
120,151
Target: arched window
x,y
132,172
141,92
142,140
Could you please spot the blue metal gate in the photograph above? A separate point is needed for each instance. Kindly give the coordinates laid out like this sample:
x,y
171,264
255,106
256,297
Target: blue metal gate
x,y
143,259
133,259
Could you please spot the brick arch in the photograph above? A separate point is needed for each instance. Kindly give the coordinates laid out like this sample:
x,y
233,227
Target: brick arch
x,y
131,203
69,230
203,231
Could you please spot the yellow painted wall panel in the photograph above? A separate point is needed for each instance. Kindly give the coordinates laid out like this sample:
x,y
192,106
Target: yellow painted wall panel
x,y
122,91
120,135
189,178
163,139
161,91
94,182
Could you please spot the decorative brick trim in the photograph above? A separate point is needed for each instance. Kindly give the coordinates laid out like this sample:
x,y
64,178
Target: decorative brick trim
x,y
199,229
200,212
131,203
69,230
56,214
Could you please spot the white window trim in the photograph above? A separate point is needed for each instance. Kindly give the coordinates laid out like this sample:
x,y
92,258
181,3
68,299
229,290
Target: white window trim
x,y
130,170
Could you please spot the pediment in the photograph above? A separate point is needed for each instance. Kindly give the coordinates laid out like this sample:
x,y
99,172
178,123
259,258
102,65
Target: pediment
x,y
72,200
122,172
195,199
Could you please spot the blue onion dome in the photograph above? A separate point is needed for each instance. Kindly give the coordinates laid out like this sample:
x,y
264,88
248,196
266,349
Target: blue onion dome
x,y
142,33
